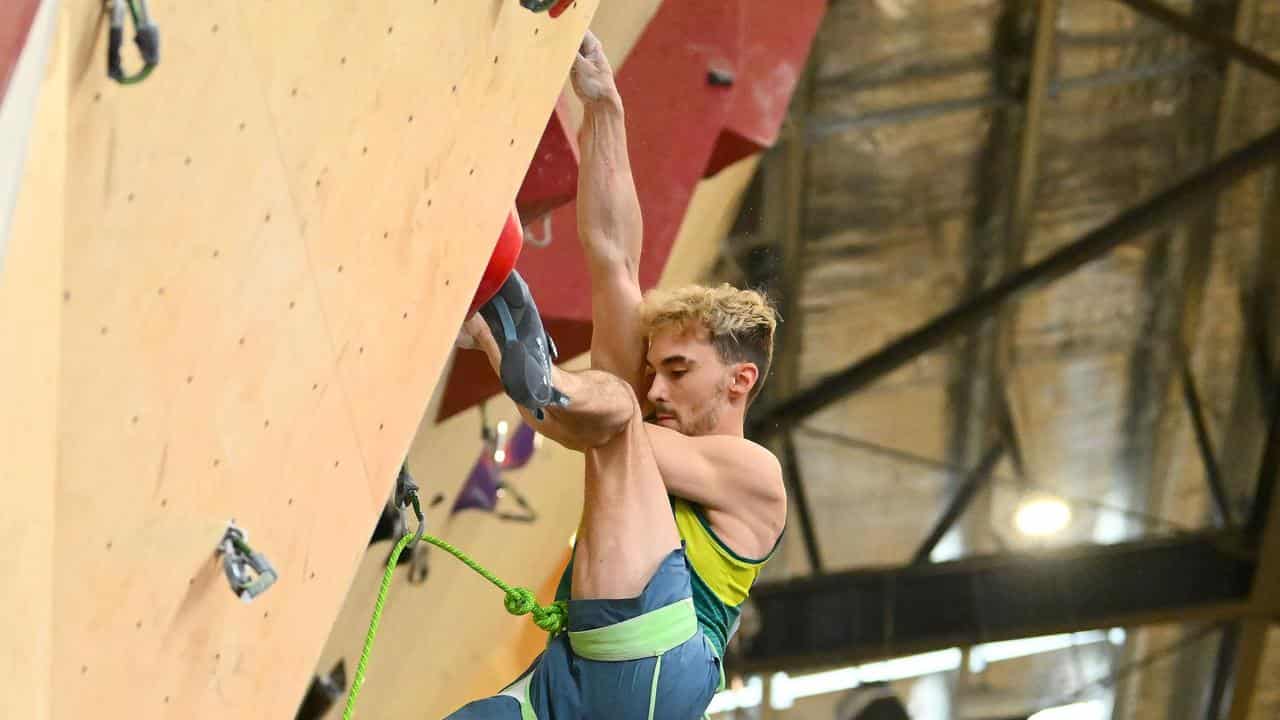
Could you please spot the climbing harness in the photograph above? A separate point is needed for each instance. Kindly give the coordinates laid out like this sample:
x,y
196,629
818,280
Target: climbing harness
x,y
238,559
518,600
147,40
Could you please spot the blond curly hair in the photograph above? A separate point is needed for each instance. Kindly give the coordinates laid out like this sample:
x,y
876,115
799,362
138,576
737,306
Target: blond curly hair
x,y
741,323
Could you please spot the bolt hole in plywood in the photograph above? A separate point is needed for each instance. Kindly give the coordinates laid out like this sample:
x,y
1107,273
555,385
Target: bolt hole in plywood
x,y
266,120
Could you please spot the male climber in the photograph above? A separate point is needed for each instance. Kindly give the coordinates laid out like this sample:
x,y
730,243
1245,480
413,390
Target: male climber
x,y
679,513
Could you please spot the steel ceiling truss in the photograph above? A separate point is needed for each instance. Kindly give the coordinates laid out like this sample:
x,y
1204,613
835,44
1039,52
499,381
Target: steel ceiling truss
x,y
1230,575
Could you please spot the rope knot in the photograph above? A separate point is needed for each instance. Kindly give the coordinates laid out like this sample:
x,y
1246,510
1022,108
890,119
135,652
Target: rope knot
x,y
520,601
552,618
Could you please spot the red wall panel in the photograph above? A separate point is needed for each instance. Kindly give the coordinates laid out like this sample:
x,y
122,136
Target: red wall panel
x,y
15,21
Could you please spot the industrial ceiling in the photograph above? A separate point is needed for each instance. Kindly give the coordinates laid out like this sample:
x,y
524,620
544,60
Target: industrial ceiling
x,y
1027,250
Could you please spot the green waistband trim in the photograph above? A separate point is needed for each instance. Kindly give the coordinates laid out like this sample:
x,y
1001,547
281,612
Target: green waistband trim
x,y
647,635
653,687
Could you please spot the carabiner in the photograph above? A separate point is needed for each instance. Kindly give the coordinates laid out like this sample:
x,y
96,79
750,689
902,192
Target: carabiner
x,y
238,559
406,496
147,40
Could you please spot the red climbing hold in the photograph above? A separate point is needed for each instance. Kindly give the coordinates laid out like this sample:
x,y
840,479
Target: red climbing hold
x,y
560,7
504,257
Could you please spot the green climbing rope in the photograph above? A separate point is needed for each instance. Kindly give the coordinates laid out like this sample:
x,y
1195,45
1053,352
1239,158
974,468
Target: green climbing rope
x,y
519,601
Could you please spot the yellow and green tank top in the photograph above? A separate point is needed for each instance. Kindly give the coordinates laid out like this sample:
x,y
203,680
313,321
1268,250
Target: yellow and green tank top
x,y
721,578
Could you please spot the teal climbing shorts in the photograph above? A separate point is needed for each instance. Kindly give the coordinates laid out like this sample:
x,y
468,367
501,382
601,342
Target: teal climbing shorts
x,y
642,658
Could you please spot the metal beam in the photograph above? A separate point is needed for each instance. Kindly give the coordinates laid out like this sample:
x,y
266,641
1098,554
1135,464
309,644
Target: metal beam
x,y
881,450
1178,269
1196,259
1175,275
974,387
1204,443
1269,467
1258,343
1256,399
1019,481
973,482
827,125
1202,32
1024,192
1241,448
1222,668
784,175
858,616
1008,430
879,73
1265,325
1264,531
1245,661
1172,203
1240,654
1020,223
800,500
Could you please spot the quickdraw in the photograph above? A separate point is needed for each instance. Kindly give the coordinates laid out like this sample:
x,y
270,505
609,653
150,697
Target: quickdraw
x,y
406,496
238,559
147,40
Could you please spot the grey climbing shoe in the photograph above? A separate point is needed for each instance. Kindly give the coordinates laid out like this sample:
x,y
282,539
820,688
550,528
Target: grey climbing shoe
x,y
527,350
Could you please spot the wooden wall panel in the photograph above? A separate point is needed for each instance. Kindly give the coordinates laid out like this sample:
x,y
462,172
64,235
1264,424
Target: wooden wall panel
x,y
271,243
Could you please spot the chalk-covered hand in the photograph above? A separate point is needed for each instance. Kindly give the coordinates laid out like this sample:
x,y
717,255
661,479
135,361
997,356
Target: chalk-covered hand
x,y
592,75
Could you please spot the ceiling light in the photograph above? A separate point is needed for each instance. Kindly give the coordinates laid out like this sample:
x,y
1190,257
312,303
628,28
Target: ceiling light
x,y
1041,516
785,689
749,695
502,427
1026,647
1091,710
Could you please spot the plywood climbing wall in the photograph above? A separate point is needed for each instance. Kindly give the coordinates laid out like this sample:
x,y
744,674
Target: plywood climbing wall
x,y
270,246
30,305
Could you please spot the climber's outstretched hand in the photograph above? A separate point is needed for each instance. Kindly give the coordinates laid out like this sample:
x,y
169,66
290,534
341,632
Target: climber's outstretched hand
x,y
592,75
